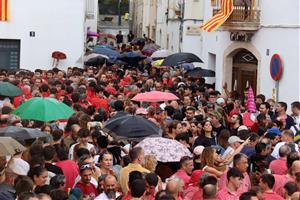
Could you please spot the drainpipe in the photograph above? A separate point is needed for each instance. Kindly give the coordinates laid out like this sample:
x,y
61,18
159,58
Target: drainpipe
x,y
181,26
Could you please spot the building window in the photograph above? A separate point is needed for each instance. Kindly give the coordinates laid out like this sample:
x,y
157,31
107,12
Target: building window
x,y
9,54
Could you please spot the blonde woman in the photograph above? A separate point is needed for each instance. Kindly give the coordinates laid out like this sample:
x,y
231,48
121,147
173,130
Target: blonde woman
x,y
212,163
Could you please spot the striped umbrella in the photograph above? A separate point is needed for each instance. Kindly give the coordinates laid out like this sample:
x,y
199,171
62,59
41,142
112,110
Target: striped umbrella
x,y
250,101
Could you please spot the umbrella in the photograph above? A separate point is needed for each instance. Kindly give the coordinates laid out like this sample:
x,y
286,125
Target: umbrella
x,y
164,149
154,96
131,58
138,41
21,134
163,53
106,51
180,58
199,72
250,101
150,48
9,90
92,34
9,146
96,61
157,63
131,127
43,109
93,55
105,46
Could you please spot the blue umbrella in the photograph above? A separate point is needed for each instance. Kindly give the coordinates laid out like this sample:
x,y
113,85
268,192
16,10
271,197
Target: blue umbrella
x,y
106,51
132,58
105,46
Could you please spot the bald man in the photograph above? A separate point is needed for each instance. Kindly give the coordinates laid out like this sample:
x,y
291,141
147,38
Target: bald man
x,y
209,192
175,186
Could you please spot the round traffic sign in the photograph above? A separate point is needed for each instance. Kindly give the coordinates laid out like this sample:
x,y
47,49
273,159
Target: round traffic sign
x,y
276,67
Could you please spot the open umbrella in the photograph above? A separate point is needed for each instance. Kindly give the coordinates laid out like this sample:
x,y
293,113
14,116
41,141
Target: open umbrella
x,y
131,127
199,72
58,55
43,109
9,90
21,134
96,61
138,41
9,146
154,96
131,58
94,55
106,51
180,58
165,150
163,53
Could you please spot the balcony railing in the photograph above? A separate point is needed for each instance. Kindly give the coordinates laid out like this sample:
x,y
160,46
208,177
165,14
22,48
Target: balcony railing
x,y
242,19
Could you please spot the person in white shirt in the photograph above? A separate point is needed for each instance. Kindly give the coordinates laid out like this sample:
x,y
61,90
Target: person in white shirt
x,y
84,136
234,143
110,189
287,137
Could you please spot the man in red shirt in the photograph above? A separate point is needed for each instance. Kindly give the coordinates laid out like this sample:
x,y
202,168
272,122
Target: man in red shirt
x,y
151,183
267,182
85,185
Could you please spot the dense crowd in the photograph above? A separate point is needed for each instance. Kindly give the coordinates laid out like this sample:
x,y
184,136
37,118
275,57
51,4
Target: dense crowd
x,y
236,154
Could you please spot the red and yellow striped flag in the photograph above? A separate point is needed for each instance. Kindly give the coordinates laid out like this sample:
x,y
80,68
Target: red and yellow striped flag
x,y
218,19
4,10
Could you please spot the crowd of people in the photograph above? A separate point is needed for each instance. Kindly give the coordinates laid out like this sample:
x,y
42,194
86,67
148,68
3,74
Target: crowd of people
x,y
237,154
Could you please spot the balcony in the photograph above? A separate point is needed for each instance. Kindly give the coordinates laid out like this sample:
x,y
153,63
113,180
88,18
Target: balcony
x,y
242,19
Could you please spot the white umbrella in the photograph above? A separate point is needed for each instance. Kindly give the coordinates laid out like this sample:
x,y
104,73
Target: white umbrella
x,y
164,149
163,53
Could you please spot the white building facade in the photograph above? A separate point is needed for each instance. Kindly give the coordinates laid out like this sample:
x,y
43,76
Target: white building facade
x,y
37,28
240,51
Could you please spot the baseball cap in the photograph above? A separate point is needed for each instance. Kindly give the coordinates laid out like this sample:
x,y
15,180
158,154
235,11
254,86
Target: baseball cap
x,y
198,150
243,127
220,101
274,131
233,139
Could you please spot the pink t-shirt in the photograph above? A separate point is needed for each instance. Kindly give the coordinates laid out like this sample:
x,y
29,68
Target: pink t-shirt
x,y
272,196
225,194
184,176
245,186
279,166
280,181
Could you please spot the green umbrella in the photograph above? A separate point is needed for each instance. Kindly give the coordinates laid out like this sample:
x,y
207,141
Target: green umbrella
x,y
9,90
43,109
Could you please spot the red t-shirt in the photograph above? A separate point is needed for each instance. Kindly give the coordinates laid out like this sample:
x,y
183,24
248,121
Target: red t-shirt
x,y
87,189
70,170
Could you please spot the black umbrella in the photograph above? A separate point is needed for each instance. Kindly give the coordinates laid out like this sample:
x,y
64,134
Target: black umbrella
x,y
138,41
199,72
131,58
21,134
99,60
131,127
180,58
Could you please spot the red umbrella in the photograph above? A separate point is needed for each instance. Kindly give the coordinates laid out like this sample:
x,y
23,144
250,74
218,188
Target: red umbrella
x,y
58,55
155,96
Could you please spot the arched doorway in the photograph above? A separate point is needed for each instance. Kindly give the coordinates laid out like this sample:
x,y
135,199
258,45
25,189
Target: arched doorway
x,y
244,71
242,64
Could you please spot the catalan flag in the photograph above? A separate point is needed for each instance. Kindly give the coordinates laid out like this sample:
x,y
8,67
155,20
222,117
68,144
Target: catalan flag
x,y
218,19
4,10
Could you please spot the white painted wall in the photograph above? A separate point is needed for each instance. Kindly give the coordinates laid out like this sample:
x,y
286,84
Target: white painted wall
x,y
280,33
58,25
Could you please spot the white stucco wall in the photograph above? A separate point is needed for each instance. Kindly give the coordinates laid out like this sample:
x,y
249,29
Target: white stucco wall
x,y
280,33
58,25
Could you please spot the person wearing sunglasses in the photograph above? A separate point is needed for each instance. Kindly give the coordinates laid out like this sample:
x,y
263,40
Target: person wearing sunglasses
x,y
88,189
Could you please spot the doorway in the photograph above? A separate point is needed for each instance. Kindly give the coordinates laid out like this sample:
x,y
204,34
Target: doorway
x,y
244,71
